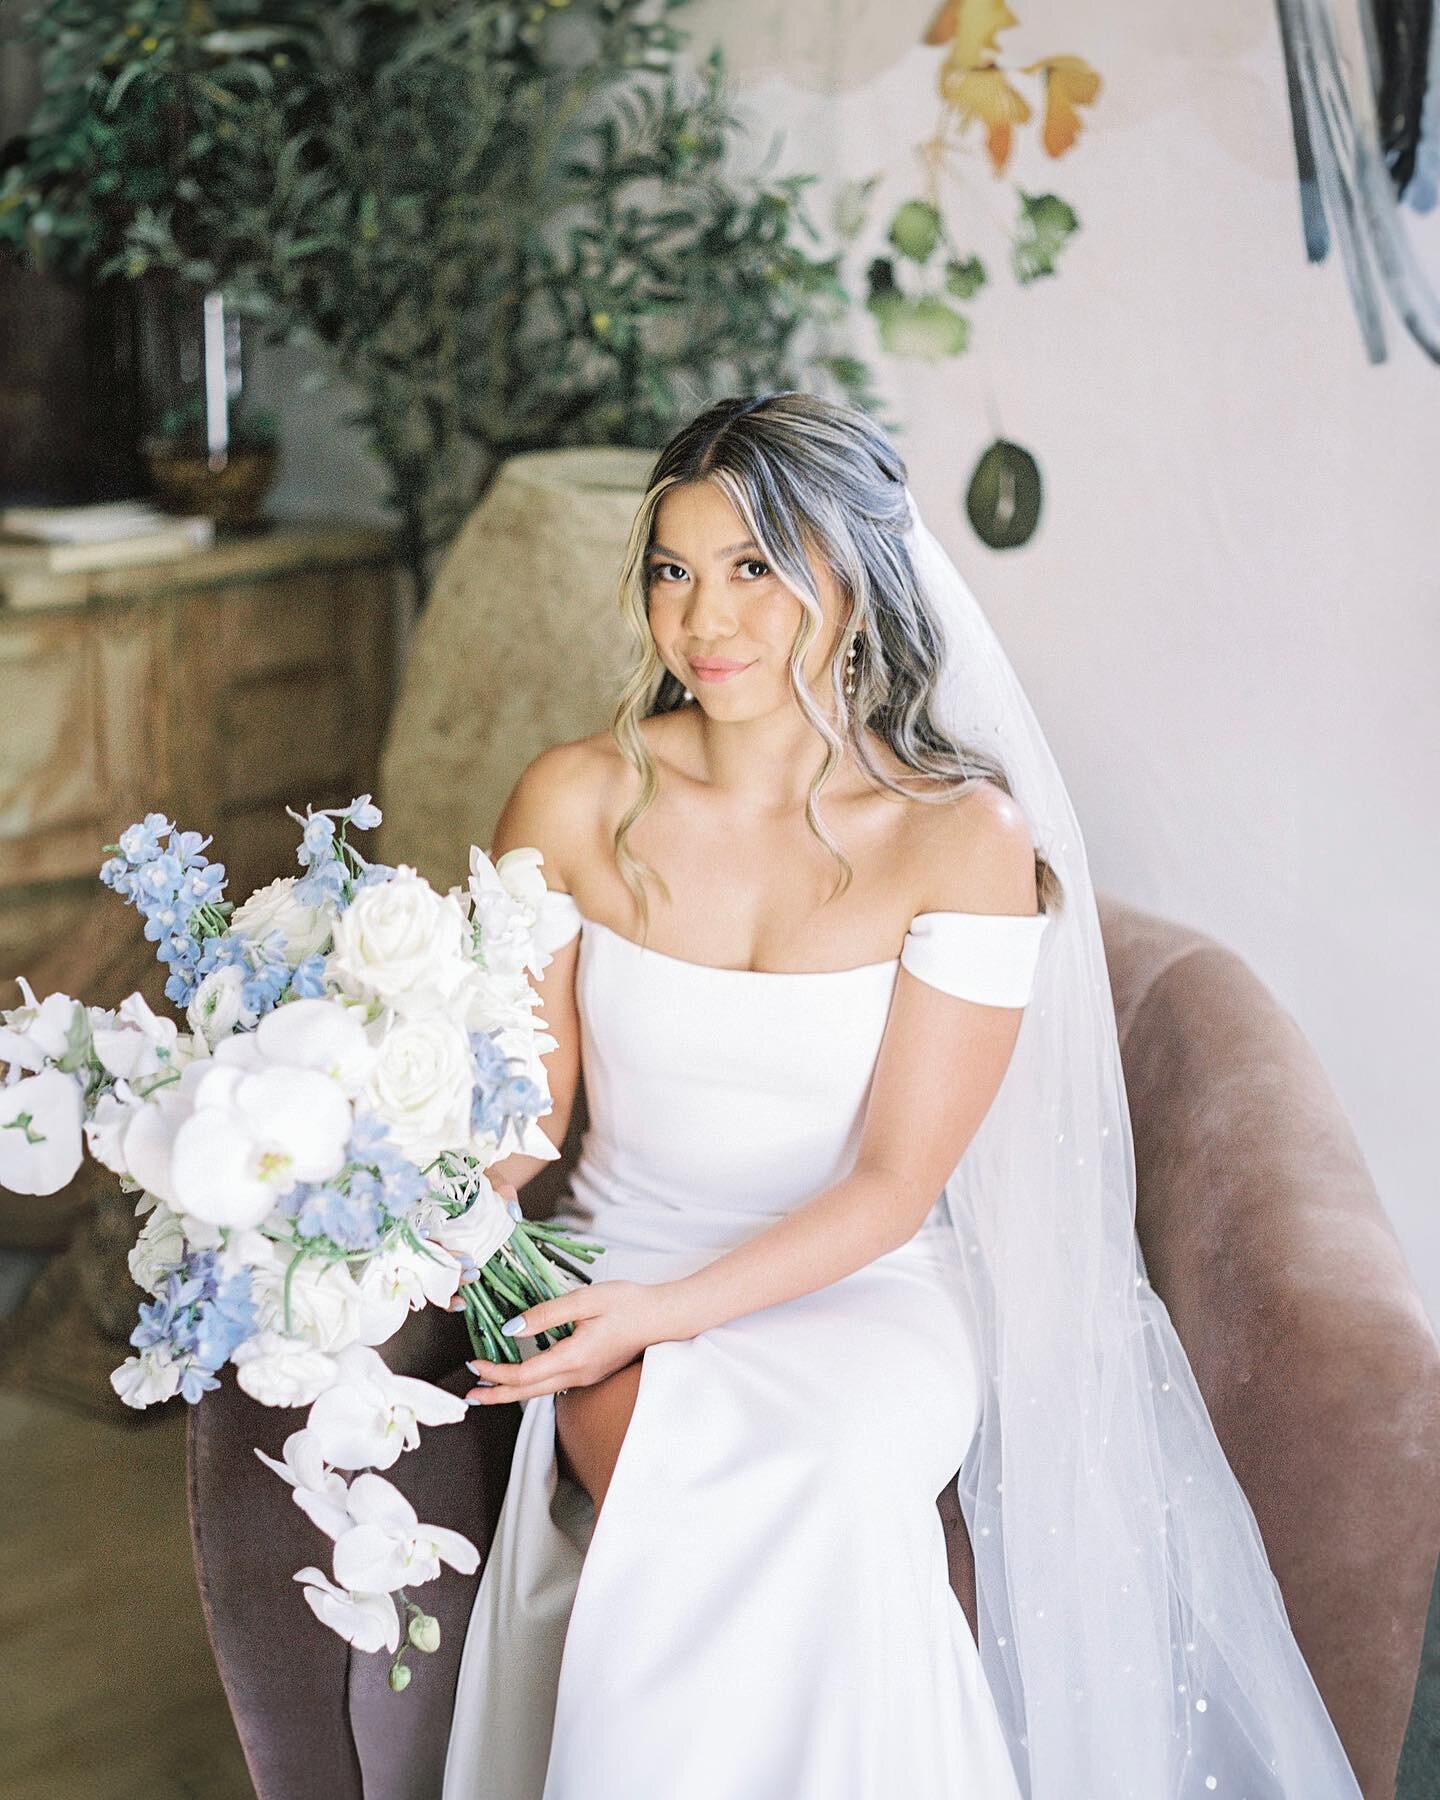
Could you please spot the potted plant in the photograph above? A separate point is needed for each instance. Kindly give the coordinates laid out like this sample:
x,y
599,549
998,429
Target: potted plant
x,y
504,226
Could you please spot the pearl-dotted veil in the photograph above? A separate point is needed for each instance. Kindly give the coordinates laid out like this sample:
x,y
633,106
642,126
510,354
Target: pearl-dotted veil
x,y
1131,1629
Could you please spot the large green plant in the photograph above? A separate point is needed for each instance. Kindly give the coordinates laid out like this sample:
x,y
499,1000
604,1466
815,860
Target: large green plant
x,y
508,226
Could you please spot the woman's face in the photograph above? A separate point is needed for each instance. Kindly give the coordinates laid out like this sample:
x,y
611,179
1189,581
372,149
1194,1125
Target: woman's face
x,y
722,620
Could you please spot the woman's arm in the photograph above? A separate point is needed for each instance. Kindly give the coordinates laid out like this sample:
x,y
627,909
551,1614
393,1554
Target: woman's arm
x,y
543,813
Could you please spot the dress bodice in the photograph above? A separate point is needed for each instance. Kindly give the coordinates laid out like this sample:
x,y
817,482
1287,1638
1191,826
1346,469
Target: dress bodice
x,y
734,1095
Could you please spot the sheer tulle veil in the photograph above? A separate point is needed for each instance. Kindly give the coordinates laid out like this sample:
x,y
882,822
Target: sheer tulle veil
x,y
1132,1631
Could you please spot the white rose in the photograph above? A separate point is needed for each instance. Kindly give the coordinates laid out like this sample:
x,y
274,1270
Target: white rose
x,y
404,945
275,908
217,1008
324,1302
159,1249
422,1084
281,1371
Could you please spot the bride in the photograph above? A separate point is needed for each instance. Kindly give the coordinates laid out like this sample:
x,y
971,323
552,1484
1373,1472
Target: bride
x,y
858,1153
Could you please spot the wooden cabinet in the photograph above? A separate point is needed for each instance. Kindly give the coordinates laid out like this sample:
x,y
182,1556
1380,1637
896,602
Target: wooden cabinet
x,y
217,689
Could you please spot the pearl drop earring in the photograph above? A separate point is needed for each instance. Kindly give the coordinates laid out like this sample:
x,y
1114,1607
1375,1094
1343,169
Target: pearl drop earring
x,y
688,694
850,666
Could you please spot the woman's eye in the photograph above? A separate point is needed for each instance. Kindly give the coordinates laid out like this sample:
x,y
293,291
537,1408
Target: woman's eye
x,y
754,562
656,567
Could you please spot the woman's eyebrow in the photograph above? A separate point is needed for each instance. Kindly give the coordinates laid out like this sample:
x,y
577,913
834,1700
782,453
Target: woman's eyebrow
x,y
729,550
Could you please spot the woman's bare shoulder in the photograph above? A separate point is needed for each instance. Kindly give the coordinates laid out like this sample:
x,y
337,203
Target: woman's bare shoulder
x,y
972,853
566,796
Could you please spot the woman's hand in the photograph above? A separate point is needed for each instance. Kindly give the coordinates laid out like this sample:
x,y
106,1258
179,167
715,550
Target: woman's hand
x,y
615,1321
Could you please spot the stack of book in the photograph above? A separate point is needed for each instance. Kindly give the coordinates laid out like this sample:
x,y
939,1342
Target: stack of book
x,y
66,538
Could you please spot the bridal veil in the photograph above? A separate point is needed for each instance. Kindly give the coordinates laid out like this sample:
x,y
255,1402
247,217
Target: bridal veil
x,y
1132,1631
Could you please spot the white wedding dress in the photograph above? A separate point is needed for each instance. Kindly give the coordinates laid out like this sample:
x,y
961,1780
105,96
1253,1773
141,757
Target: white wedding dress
x,y
763,1610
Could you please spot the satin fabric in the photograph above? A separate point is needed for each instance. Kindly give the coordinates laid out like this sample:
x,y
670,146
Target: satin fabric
x,y
763,1609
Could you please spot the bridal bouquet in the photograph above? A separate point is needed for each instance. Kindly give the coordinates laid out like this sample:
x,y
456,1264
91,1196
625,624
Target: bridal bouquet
x,y
311,1155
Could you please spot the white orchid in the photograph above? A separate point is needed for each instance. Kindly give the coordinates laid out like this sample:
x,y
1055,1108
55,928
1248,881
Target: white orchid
x,y
251,1137
369,1621
281,1371
403,946
388,1547
41,1143
399,1280
319,1492
325,1035
371,1414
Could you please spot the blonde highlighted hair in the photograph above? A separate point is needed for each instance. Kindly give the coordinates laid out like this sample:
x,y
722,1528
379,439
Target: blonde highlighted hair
x,y
817,477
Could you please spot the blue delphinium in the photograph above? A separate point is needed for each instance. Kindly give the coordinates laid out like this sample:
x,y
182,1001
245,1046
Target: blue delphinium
x,y
335,869
176,890
199,1319
377,1187
501,1097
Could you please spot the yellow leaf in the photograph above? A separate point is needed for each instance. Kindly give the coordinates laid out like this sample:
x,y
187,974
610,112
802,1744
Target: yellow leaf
x,y
1070,83
986,95
972,26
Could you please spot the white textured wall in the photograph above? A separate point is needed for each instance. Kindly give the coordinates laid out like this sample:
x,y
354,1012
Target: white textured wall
x,y
1229,621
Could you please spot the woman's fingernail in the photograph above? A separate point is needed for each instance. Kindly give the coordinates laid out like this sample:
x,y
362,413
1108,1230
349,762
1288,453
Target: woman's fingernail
x,y
480,1383
512,1327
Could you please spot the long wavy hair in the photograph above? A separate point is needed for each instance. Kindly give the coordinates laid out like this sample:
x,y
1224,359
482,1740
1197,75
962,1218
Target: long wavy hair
x,y
809,475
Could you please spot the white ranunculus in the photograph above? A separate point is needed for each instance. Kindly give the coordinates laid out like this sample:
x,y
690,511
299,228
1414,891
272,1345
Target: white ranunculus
x,y
399,1280
217,1007
405,946
325,1302
41,1145
275,908
251,1136
35,1033
480,1230
370,1414
388,1547
143,1380
422,1083
319,1492
133,1041
368,1621
281,1371
159,1249
328,1035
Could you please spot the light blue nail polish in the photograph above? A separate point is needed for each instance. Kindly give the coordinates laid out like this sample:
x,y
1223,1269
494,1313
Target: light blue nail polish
x,y
513,1327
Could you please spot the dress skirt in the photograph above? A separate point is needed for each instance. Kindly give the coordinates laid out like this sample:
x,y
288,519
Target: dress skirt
x,y
763,1610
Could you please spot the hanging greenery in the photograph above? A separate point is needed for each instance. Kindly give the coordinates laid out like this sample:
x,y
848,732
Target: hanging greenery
x,y
505,226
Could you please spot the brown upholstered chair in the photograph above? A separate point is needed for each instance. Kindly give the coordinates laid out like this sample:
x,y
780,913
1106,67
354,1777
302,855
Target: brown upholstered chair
x,y
1261,1230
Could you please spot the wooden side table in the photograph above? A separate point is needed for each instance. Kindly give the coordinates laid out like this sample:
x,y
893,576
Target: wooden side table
x,y
218,689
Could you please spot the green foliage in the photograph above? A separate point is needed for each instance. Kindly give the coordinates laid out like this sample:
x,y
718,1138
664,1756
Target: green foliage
x,y
507,226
